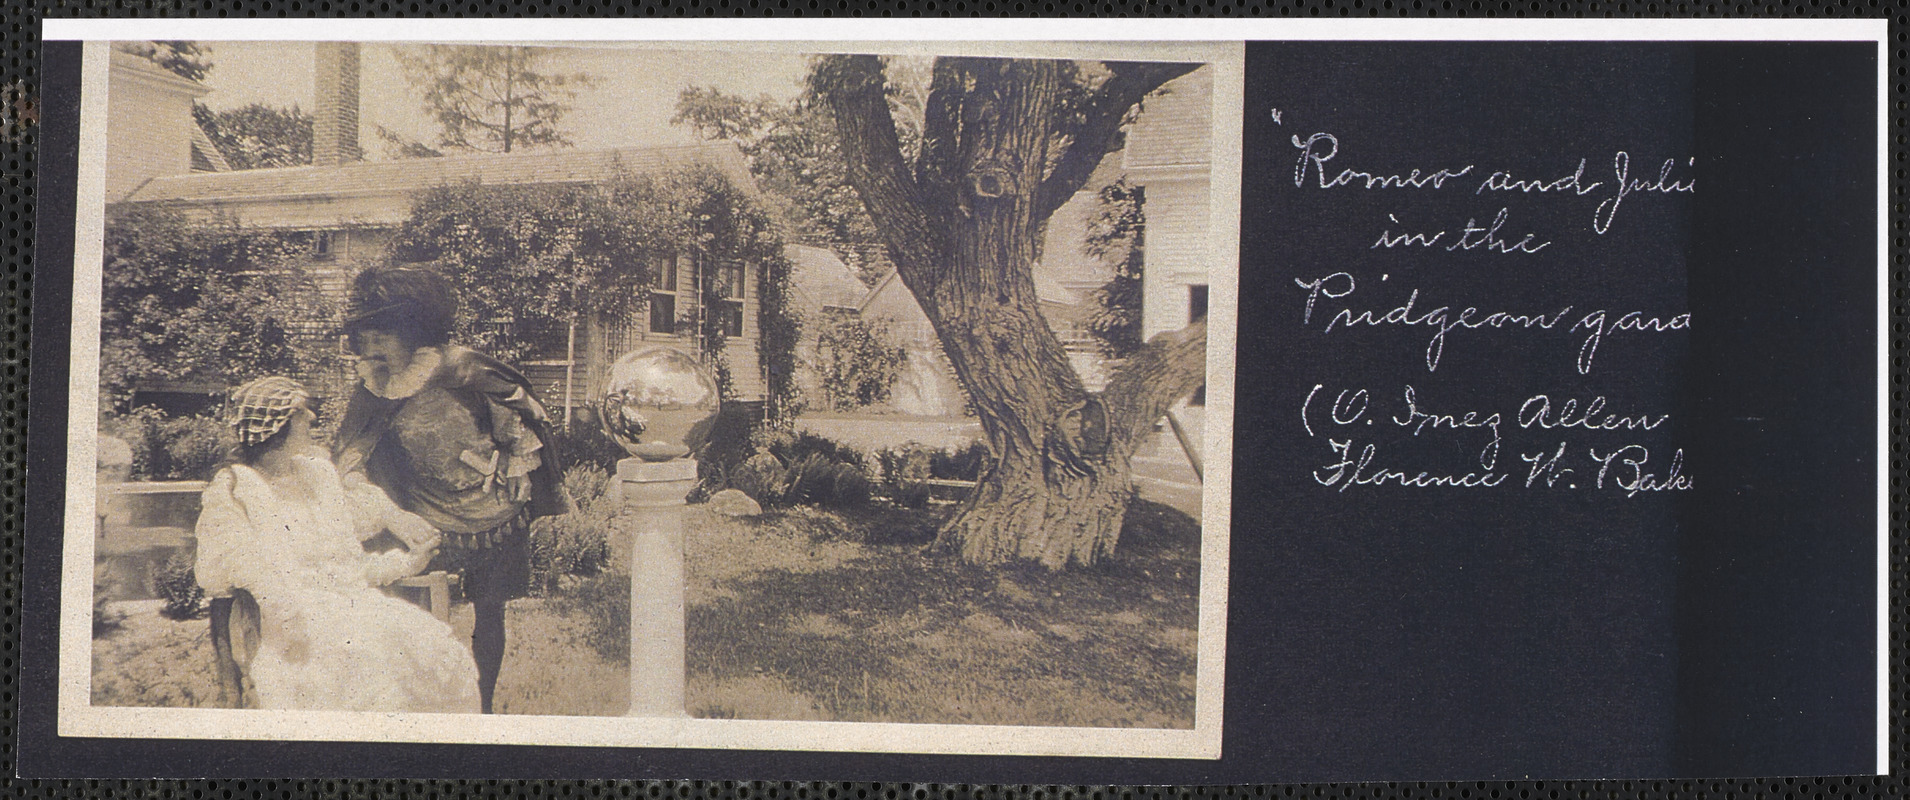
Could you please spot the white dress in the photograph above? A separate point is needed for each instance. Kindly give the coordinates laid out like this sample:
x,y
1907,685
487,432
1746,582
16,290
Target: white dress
x,y
327,638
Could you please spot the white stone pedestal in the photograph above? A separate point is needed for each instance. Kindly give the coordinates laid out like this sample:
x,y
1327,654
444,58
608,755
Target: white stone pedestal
x,y
653,495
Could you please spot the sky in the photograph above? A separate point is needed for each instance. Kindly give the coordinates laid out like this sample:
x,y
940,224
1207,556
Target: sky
x,y
630,105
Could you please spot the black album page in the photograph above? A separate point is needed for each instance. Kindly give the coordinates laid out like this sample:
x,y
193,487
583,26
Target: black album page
x,y
1032,402
1564,392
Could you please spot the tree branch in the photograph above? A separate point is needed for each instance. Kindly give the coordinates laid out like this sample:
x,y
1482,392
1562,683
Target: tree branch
x,y
855,89
1107,109
1165,370
940,170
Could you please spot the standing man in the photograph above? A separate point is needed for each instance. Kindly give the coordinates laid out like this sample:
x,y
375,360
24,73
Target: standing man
x,y
454,436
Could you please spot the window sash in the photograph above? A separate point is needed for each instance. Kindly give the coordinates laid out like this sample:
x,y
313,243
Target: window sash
x,y
663,274
732,317
662,313
324,245
731,280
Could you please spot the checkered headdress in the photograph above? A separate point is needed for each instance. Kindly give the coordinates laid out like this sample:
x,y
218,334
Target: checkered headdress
x,y
259,409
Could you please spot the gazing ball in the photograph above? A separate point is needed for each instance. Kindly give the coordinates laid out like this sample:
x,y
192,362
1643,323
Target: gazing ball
x,y
659,404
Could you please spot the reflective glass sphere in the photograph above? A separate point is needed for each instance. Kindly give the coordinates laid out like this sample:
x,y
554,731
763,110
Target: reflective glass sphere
x,y
659,403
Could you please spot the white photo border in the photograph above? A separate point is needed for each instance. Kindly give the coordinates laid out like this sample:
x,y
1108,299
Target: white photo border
x,y
78,717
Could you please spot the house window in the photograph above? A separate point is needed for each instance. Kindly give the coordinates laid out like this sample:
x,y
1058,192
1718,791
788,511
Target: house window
x,y
663,295
322,244
662,313
663,274
730,280
729,315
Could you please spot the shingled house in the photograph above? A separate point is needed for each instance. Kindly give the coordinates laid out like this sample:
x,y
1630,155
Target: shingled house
x,y
150,117
351,208
1169,155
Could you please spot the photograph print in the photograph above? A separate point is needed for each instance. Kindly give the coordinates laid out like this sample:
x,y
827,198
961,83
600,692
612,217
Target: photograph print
x,y
652,395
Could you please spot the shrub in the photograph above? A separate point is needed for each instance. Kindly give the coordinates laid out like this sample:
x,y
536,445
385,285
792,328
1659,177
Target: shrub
x,y
793,447
172,448
728,446
138,428
858,359
805,469
176,584
906,470
959,465
575,544
710,479
805,480
819,481
195,446
586,443
106,619
848,487
761,476
204,300
915,494
909,462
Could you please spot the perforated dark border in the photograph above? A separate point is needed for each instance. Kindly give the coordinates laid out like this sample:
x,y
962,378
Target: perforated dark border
x,y
19,140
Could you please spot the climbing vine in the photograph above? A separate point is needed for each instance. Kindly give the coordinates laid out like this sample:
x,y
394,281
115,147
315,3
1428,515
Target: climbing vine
x,y
526,258
781,327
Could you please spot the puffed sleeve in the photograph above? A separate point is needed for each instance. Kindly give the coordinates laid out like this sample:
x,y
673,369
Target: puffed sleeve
x,y
228,546
373,512
371,508
383,568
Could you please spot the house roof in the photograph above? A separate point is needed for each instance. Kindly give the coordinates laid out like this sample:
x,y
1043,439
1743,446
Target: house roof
x,y
205,155
822,279
1049,293
1110,169
127,65
881,288
409,175
1175,126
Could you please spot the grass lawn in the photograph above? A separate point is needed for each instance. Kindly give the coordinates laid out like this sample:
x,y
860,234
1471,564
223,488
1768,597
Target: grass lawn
x,y
804,614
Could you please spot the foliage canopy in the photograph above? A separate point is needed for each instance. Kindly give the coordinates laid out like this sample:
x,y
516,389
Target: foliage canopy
x,y
493,99
1116,236
530,259
258,136
204,301
189,60
796,156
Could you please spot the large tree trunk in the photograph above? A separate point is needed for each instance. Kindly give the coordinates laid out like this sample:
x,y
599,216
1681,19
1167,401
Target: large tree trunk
x,y
1061,486
1021,512
963,234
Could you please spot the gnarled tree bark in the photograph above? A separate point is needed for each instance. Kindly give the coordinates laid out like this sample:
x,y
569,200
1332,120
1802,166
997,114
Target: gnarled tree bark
x,y
1005,143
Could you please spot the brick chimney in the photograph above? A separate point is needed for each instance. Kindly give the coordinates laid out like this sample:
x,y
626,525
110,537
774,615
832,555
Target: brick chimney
x,y
335,119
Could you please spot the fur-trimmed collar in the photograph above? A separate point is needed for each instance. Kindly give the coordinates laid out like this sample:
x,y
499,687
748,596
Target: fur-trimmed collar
x,y
406,382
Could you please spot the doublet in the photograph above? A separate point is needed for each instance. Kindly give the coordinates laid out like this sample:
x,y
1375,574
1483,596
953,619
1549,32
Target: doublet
x,y
463,445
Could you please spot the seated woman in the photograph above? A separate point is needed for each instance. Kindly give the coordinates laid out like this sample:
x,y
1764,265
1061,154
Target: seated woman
x,y
280,524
